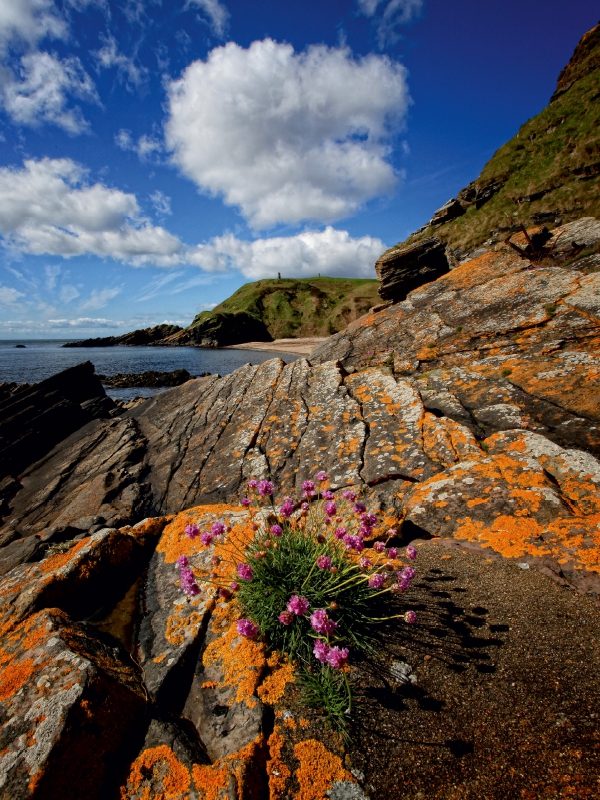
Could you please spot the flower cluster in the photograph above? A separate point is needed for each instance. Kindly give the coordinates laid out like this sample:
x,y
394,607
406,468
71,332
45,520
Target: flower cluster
x,y
187,578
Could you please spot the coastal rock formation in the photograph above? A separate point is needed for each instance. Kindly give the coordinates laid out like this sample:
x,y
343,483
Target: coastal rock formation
x,y
135,338
150,378
407,404
403,269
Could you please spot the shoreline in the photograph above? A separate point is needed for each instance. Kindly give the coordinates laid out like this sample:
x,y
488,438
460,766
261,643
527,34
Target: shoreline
x,y
302,347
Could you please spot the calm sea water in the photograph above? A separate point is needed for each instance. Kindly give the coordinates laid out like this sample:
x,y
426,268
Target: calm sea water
x,y
42,358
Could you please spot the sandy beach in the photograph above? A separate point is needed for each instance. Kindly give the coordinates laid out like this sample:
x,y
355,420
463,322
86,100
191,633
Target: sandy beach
x,y
303,347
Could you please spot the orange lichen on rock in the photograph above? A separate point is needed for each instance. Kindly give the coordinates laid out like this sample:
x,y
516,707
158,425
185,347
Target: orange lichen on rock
x,y
13,677
277,770
273,686
318,770
242,660
157,774
180,627
174,543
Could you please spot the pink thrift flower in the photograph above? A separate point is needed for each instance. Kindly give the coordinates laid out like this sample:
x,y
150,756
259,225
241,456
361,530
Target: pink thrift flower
x,y
376,581
349,495
247,628
364,562
224,593
321,651
330,509
191,531
217,529
321,623
188,583
356,543
407,573
276,530
234,586
287,508
379,547
392,552
245,571
304,506
286,617
324,562
308,489
328,494
410,617
182,562
206,538
411,553
359,508
252,484
265,488
246,501
298,605
321,476
391,533
340,532
336,657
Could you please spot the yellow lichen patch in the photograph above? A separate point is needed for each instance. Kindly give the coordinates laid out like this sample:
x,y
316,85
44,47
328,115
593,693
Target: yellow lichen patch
x,y
318,770
211,782
512,537
277,770
157,774
241,660
53,563
272,688
180,627
13,677
174,543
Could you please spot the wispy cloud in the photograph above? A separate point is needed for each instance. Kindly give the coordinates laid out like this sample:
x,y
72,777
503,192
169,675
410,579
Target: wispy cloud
x,y
100,297
388,16
215,14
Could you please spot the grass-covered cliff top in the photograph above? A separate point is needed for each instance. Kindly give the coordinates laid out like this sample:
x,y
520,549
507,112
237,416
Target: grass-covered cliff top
x,y
549,170
297,307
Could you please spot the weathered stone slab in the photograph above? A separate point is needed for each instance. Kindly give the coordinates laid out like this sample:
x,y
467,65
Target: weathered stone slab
x,y
68,704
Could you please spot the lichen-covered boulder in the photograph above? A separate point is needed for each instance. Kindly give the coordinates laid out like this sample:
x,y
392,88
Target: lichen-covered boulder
x,y
69,704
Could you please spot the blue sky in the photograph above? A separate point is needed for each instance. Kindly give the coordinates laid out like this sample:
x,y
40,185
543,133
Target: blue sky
x,y
156,155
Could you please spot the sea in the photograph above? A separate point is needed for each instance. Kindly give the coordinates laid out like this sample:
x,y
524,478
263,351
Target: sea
x,y
40,359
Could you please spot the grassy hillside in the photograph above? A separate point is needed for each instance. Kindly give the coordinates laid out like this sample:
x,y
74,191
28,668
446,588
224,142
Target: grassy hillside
x,y
550,170
292,308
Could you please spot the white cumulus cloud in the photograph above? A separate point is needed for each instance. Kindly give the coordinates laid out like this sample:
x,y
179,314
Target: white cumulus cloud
x,y
329,252
8,295
30,21
40,90
47,208
287,136
217,14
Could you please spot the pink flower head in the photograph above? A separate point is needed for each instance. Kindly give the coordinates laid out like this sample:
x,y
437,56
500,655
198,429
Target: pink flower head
x,y
364,562
328,494
368,520
304,506
308,489
392,552
276,530
191,531
252,484
410,617
246,501
327,521
224,593
206,538
287,508
245,627
391,533
321,651
336,657
330,509
377,580
379,547
359,508
411,553
245,571
217,529
266,488
188,583
298,605
340,532
182,562
234,586
324,562
408,573
321,623
286,618
321,476
349,495
354,543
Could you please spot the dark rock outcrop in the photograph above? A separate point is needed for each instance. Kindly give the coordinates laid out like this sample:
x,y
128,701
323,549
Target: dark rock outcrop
x,y
406,268
450,210
222,330
36,418
142,336
150,378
